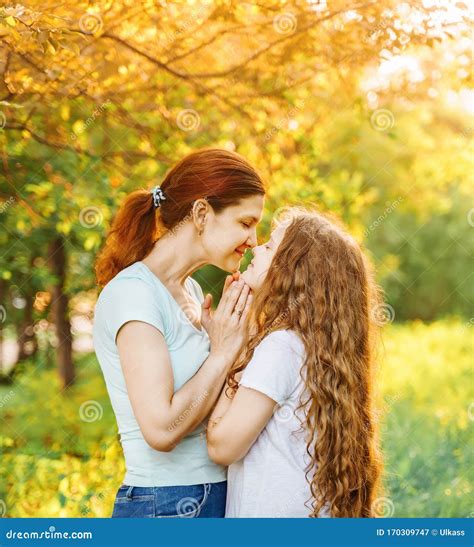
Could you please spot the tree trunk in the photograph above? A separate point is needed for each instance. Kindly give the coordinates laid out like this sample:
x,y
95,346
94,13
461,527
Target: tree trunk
x,y
60,302
26,334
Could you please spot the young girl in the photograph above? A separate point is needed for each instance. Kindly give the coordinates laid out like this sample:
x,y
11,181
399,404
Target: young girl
x,y
295,423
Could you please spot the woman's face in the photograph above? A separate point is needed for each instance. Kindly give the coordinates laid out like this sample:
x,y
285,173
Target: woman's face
x,y
229,233
257,270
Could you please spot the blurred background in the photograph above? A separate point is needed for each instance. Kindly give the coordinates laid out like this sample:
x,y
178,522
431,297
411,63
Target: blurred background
x,y
364,108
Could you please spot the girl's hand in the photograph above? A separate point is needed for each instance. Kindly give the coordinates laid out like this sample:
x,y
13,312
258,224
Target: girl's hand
x,y
226,328
206,307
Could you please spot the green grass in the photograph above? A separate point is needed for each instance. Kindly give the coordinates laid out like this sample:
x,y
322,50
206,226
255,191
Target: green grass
x,y
55,463
58,460
427,385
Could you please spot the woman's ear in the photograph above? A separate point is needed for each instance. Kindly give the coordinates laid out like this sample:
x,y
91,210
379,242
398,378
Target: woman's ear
x,y
200,212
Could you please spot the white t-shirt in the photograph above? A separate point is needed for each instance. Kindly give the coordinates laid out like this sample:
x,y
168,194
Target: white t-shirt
x,y
270,480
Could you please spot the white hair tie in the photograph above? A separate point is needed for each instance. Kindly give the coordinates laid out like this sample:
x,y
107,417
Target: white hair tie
x,y
158,196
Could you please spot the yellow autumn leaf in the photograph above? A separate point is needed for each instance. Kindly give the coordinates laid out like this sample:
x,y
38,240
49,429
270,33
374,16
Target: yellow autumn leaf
x,y
63,227
90,242
64,112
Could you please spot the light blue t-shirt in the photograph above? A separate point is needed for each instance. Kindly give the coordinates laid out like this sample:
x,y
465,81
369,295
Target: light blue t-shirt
x,y
136,294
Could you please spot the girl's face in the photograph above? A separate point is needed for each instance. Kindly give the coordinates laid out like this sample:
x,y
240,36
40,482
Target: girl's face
x,y
229,233
257,270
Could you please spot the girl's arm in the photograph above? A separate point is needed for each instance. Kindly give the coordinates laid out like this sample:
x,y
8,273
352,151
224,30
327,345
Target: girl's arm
x,y
223,404
269,379
236,423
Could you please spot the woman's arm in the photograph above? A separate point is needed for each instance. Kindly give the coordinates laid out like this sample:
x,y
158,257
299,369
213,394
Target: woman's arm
x,y
166,417
236,423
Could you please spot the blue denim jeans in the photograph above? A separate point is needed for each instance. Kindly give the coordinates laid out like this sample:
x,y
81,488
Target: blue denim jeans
x,y
195,501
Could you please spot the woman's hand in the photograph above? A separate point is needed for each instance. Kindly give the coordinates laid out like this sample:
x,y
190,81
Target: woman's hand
x,y
226,328
206,308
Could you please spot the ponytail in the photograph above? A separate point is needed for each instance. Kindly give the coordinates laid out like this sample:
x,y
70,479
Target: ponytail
x,y
131,236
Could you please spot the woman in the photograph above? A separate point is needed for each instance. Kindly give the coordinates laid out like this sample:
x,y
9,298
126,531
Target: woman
x,y
163,364
309,356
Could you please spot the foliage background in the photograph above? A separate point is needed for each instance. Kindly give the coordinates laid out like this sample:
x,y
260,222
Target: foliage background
x,y
364,108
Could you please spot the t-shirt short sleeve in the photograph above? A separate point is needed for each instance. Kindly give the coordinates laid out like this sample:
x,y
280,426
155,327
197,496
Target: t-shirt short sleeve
x,y
274,369
132,299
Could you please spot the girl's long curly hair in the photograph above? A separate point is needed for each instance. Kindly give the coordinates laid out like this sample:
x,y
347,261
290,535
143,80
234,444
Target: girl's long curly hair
x,y
321,286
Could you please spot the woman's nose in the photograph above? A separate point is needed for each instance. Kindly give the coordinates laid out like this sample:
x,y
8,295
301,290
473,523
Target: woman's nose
x,y
252,239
